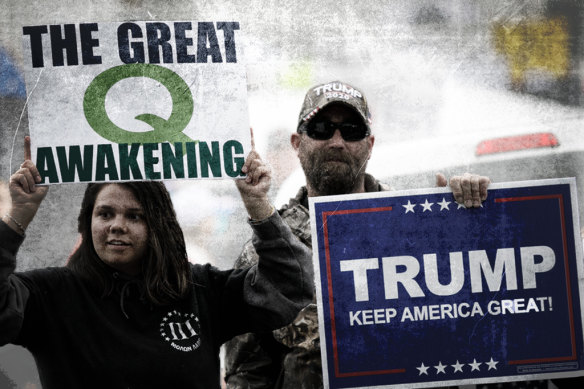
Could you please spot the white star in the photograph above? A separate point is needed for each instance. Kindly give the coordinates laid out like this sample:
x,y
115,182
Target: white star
x,y
427,206
440,368
444,204
475,365
423,369
492,364
457,366
409,207
460,206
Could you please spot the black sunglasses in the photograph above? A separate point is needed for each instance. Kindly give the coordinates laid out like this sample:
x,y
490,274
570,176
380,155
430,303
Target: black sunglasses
x,y
325,129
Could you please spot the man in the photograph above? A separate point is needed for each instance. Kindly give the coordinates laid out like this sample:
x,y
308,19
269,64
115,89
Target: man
x,y
333,142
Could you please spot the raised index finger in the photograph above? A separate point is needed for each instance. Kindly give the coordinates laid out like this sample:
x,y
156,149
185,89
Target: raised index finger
x,y
27,154
252,140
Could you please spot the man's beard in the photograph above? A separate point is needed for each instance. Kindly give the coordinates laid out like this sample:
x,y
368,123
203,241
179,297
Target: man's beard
x,y
331,171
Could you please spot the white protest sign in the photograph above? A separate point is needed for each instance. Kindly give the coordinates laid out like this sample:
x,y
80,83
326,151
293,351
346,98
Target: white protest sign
x,y
121,101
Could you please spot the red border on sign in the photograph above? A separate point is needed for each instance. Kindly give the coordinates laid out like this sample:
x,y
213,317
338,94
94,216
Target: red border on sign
x,y
330,293
567,273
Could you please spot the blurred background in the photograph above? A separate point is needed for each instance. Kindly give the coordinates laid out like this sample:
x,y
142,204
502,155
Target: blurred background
x,y
493,87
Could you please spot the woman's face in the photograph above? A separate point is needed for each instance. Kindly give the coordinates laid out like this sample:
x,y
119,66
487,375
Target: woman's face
x,y
118,229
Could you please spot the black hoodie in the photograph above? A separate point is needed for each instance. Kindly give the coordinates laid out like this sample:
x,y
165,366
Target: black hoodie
x,y
80,339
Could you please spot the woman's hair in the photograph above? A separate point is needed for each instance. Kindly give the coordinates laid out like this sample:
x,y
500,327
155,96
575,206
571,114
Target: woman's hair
x,y
165,267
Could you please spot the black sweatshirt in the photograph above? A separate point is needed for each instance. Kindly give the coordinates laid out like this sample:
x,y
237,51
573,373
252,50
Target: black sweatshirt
x,y
82,340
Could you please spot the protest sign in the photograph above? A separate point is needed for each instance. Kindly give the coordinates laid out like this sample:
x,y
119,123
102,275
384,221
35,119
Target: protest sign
x,y
122,101
415,290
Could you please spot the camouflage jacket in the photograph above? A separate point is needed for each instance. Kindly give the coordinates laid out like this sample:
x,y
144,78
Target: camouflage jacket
x,y
287,358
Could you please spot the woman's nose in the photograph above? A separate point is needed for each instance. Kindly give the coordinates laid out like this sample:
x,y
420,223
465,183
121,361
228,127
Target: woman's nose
x,y
118,224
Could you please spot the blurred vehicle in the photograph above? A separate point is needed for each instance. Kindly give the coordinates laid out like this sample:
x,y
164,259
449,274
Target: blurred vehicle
x,y
556,153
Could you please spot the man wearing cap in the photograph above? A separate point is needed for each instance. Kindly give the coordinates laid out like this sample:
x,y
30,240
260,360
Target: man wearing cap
x,y
333,142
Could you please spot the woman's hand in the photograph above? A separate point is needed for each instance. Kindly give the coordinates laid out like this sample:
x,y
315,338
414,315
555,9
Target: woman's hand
x,y
254,188
26,195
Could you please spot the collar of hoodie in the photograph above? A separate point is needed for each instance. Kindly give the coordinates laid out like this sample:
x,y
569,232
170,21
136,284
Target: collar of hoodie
x,y
124,286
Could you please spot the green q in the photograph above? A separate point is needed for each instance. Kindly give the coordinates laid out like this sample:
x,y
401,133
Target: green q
x,y
163,130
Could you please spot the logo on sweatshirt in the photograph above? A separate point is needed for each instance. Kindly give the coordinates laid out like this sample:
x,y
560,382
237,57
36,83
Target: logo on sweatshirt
x,y
181,330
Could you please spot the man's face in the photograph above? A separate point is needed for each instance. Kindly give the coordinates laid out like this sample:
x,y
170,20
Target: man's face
x,y
334,166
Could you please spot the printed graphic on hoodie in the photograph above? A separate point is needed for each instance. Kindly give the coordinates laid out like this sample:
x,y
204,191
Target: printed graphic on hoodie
x,y
181,330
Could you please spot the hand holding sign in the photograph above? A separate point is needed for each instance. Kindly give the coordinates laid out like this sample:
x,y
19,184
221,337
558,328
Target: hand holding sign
x,y
26,195
468,189
254,188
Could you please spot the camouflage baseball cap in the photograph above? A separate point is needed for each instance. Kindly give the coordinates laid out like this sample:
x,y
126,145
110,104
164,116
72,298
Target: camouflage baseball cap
x,y
321,95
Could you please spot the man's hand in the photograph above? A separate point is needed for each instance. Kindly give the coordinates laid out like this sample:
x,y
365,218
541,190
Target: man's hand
x,y
25,194
469,189
254,188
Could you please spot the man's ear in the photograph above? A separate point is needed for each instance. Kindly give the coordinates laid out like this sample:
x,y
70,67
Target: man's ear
x,y
371,142
295,139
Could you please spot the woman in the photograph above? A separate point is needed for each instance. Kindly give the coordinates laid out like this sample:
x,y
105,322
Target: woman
x,y
129,311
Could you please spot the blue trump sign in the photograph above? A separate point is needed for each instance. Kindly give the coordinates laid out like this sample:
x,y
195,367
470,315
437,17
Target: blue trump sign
x,y
415,290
